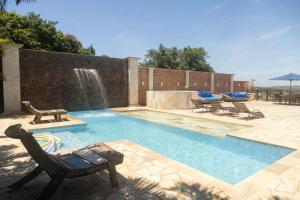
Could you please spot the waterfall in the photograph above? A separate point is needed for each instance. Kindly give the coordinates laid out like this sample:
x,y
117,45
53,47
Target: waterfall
x,y
92,88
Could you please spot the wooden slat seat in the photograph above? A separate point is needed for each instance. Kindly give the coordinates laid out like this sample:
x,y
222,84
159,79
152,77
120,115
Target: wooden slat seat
x,y
61,165
39,113
53,112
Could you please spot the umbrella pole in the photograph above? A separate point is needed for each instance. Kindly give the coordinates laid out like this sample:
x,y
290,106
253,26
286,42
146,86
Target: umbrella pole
x,y
290,87
290,92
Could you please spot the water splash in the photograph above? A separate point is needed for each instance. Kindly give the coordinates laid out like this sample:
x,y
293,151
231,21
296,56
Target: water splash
x,y
91,84
82,83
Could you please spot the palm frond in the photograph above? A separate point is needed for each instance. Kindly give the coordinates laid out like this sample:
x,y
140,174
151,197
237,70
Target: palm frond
x,y
2,5
24,1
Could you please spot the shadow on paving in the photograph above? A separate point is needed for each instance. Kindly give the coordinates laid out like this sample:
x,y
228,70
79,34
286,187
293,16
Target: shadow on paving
x,y
95,186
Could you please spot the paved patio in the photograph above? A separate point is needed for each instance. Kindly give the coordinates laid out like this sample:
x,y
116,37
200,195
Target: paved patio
x,y
148,175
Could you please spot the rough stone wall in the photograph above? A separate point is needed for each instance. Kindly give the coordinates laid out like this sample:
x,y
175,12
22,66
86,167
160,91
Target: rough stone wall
x,y
48,80
222,82
1,87
168,79
200,80
143,84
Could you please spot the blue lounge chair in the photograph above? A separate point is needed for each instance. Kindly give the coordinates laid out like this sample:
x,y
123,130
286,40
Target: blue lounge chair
x,y
207,95
235,96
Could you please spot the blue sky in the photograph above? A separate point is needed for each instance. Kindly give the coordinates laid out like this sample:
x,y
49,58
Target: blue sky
x,y
253,39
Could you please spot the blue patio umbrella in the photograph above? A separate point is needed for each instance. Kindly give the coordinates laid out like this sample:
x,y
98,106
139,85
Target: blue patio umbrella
x,y
288,77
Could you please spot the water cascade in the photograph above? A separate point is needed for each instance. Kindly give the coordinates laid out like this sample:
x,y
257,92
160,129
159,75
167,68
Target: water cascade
x,y
92,88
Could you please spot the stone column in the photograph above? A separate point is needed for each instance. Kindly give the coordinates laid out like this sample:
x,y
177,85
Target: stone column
x,y
212,82
11,78
151,70
133,80
231,83
187,79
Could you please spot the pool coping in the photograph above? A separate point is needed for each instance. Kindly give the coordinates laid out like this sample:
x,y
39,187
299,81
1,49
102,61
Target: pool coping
x,y
72,121
241,190
123,110
237,133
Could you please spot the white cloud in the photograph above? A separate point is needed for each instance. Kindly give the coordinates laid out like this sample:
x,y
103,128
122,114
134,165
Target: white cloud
x,y
275,33
214,8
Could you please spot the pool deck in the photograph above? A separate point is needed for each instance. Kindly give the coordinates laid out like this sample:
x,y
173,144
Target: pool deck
x,y
149,175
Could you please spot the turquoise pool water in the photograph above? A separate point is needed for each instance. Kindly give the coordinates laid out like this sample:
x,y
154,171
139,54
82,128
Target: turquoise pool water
x,y
228,158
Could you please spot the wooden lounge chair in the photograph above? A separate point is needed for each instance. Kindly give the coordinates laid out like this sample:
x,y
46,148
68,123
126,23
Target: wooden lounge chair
x,y
39,113
242,108
278,98
227,98
59,166
217,106
235,97
202,104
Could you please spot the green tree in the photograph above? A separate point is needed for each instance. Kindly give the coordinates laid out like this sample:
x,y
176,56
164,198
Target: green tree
x,y
36,33
4,2
162,57
187,58
195,59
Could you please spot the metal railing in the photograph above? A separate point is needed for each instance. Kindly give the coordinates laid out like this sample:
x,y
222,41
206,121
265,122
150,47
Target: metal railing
x,y
269,94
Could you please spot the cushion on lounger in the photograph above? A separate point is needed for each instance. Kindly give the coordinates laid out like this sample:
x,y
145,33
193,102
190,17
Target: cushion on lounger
x,y
211,98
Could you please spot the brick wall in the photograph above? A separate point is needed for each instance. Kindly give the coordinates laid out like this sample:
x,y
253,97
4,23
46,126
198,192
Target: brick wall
x,y
143,84
49,81
200,81
242,86
168,79
222,82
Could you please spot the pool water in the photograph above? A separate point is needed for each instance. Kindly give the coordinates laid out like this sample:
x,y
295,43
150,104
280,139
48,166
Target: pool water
x,y
230,159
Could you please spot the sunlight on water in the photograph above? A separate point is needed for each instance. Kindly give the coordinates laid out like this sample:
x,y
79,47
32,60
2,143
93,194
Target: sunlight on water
x,y
228,158
96,115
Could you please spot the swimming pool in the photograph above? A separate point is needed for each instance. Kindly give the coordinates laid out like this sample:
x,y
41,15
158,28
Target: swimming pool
x,y
228,158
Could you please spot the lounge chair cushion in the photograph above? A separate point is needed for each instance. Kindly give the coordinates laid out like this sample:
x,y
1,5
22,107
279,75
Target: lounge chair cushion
x,y
240,95
207,95
230,94
211,98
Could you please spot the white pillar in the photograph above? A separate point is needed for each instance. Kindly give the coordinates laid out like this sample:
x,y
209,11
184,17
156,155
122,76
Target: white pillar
x,y
212,82
11,78
231,82
133,80
151,70
187,79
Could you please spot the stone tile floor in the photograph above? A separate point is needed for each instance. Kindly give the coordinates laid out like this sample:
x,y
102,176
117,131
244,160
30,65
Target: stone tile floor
x,y
148,175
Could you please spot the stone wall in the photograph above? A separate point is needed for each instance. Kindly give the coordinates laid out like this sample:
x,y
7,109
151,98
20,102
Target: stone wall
x,y
1,87
49,81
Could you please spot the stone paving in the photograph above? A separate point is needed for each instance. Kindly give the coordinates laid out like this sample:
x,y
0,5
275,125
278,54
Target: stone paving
x,y
148,175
